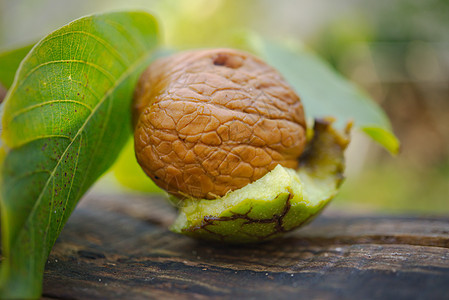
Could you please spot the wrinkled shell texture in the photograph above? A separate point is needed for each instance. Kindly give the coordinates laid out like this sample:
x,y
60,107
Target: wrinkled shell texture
x,y
211,121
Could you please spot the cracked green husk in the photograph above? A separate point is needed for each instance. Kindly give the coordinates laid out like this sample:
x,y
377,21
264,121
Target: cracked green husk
x,y
279,202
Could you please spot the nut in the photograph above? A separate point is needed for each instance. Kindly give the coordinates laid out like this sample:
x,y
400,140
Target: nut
x,y
212,121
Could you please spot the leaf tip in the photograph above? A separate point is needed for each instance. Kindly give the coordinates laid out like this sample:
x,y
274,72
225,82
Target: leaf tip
x,y
384,137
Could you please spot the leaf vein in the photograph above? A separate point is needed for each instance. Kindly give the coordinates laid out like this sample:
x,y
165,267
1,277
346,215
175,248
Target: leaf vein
x,y
103,71
41,137
107,45
31,107
97,141
119,27
88,88
52,201
64,210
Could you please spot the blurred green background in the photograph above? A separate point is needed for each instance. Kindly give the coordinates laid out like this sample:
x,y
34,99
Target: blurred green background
x,y
398,51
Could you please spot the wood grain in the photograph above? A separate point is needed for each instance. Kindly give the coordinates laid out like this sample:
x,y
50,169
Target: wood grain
x,y
118,247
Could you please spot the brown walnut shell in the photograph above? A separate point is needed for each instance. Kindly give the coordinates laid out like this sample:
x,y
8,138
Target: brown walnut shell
x,y
211,121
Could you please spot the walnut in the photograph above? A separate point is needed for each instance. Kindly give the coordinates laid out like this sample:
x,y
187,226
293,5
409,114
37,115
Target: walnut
x,y
212,121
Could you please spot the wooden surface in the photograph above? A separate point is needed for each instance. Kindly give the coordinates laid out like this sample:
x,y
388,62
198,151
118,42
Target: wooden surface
x,y
118,247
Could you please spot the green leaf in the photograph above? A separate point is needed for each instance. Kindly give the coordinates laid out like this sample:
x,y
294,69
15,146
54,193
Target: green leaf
x,y
9,63
324,92
66,117
383,137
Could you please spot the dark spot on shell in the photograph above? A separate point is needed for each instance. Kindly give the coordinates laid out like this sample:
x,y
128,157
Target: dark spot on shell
x,y
226,60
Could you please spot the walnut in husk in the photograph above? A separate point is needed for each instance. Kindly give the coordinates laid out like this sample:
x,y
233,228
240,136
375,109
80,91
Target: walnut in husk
x,y
224,134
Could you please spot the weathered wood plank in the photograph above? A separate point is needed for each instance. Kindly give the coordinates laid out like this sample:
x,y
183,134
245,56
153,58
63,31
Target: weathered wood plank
x,y
115,247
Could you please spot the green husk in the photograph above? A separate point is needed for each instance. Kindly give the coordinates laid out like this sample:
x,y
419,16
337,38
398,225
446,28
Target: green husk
x,y
281,201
